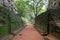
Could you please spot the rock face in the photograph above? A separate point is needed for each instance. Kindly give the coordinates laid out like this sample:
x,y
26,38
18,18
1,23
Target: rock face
x,y
54,4
8,4
53,12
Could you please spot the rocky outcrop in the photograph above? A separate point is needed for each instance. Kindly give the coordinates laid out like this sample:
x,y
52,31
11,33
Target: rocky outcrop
x,y
54,4
8,4
49,20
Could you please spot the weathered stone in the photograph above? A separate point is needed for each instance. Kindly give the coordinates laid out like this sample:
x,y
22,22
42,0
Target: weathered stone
x,y
8,4
54,4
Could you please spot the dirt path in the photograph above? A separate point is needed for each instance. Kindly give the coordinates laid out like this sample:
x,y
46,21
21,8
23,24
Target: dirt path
x,y
29,33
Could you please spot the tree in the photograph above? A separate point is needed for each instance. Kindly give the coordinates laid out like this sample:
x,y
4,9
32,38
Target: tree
x,y
36,6
29,9
23,9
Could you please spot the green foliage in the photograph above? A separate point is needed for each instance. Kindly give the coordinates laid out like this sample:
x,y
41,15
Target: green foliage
x,y
13,19
3,16
21,6
23,10
26,8
37,5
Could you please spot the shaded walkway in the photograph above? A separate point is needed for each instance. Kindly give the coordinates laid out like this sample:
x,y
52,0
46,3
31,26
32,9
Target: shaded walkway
x,y
29,33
